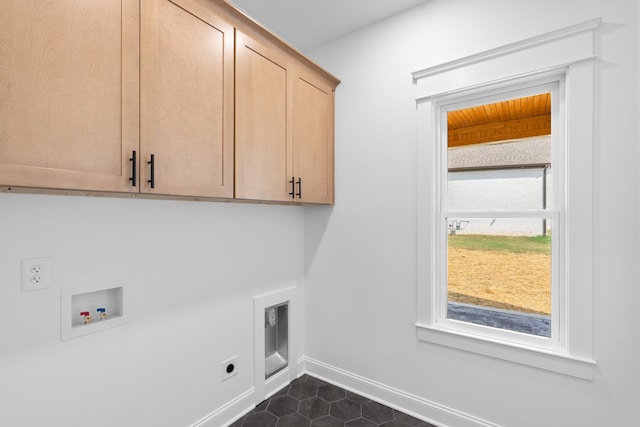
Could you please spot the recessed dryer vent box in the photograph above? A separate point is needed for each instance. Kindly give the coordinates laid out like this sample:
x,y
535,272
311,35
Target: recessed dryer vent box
x,y
275,360
92,308
276,339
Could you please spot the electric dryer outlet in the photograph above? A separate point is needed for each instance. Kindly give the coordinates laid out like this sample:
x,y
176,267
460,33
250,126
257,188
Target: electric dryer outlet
x,y
229,368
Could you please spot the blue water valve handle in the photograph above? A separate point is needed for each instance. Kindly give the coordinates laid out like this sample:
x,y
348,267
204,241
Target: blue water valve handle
x,y
103,313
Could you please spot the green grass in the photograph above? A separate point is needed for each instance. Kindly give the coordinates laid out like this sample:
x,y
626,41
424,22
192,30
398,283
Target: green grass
x,y
517,244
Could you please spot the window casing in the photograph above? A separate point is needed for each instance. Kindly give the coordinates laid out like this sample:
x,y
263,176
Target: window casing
x,y
570,349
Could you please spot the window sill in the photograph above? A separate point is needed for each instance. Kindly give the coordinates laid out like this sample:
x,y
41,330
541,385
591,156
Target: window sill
x,y
559,362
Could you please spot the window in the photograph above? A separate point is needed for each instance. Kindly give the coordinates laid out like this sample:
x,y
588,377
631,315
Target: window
x,y
536,208
560,63
499,213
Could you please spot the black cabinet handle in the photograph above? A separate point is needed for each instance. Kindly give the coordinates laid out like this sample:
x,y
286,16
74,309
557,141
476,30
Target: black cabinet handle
x,y
151,164
134,164
293,188
299,193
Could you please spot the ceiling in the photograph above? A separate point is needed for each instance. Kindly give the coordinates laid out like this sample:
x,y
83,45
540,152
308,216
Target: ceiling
x,y
307,24
512,119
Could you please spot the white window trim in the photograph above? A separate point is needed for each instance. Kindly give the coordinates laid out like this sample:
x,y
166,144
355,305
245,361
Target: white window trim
x,y
572,353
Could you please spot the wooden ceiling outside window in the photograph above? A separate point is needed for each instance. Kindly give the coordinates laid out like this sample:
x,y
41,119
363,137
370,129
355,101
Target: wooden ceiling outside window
x,y
512,119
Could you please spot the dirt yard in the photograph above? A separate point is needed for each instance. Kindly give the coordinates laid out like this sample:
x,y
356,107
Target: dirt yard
x,y
507,280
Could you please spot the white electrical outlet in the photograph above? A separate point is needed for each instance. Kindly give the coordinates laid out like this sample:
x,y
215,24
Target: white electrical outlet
x,y
36,274
229,368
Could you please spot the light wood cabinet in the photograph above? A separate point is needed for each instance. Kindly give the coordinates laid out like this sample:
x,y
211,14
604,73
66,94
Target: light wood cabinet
x,y
68,93
80,94
187,95
171,98
284,127
313,144
263,122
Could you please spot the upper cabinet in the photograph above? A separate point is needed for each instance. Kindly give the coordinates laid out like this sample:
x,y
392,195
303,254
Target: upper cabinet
x,y
174,98
284,127
313,129
263,122
186,100
68,93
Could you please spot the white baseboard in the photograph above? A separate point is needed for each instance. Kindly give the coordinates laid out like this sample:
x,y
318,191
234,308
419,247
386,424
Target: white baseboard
x,y
410,404
230,412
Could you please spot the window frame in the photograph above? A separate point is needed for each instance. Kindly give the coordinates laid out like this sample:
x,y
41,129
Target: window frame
x,y
444,104
570,350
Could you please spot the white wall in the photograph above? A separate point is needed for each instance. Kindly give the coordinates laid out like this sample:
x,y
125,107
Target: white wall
x,y
498,189
361,255
191,268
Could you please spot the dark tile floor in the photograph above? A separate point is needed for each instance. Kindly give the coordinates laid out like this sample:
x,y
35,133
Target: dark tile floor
x,y
310,402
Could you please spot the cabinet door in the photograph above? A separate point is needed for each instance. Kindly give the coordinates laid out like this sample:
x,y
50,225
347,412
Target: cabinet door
x,y
186,99
68,93
263,125
313,118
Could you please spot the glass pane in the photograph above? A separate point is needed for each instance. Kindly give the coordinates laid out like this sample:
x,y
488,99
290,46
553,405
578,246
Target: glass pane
x,y
499,155
499,273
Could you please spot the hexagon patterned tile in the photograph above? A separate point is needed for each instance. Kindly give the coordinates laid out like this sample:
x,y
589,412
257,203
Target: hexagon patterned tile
x,y
310,402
